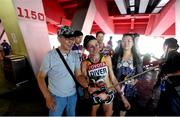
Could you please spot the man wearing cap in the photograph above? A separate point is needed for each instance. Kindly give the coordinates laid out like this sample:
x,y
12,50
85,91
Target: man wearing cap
x,y
60,94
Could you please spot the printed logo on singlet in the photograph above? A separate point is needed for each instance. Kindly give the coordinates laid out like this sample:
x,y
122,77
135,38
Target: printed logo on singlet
x,y
99,69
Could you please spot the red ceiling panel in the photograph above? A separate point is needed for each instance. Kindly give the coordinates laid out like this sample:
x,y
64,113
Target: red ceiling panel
x,y
170,30
56,9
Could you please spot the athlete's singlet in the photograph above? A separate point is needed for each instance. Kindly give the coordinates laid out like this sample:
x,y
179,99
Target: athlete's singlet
x,y
97,73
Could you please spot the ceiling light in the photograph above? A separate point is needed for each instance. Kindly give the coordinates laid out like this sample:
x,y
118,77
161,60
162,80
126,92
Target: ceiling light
x,y
131,2
156,10
132,8
143,6
121,6
162,3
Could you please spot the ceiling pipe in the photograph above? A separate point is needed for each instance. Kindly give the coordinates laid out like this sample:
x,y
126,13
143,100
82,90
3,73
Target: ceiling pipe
x,y
132,24
143,6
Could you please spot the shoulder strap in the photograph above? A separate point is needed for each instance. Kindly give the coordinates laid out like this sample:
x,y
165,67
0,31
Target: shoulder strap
x,y
67,66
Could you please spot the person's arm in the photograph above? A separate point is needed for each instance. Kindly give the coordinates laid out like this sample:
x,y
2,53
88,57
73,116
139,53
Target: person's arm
x,y
82,78
45,67
111,74
42,84
50,103
115,82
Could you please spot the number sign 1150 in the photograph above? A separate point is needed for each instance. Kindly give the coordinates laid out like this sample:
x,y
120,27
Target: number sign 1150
x,y
29,14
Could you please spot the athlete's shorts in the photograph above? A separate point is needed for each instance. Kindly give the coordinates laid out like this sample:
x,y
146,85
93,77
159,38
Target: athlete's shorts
x,y
95,99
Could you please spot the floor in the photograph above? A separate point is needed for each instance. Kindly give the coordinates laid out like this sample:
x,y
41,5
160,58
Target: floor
x,y
23,100
27,100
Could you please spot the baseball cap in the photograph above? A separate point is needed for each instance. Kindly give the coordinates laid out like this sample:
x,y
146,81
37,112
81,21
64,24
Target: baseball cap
x,y
65,31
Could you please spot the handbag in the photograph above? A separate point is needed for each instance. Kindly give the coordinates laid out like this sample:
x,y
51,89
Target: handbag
x,y
79,88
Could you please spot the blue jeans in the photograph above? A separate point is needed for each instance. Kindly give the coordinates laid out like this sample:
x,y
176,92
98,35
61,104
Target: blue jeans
x,y
64,103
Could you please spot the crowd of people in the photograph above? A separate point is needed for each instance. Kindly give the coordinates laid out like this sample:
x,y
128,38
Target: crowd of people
x,y
99,73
